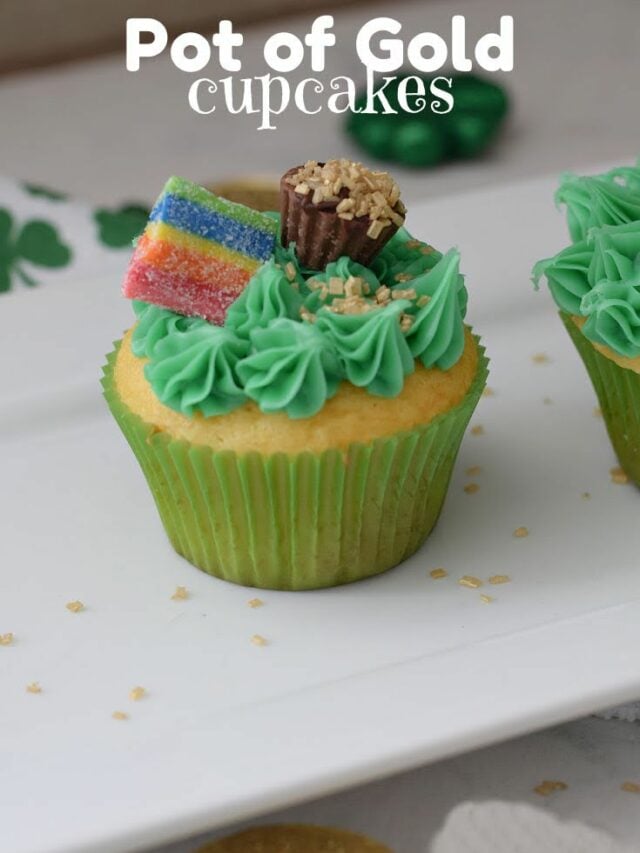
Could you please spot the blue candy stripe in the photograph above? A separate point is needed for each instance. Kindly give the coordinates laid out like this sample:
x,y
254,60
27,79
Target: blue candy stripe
x,y
211,225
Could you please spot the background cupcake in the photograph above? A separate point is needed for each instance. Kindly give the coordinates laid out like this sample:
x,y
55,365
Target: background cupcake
x,y
307,439
596,284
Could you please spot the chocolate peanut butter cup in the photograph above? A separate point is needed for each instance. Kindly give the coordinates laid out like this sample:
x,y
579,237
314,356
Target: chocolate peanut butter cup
x,y
338,208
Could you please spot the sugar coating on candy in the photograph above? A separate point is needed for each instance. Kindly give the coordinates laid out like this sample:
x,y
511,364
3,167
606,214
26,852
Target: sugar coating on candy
x,y
198,252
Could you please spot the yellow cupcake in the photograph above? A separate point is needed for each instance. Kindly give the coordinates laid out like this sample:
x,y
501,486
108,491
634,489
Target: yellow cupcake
x,y
295,838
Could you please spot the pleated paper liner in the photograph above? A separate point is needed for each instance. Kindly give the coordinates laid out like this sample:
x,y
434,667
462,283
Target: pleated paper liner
x,y
305,521
618,392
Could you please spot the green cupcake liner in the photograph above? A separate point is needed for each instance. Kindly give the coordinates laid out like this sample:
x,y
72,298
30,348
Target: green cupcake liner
x,y
305,521
618,392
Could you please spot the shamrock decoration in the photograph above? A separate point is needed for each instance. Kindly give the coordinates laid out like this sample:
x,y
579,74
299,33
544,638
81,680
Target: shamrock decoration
x,y
426,138
119,228
39,191
36,242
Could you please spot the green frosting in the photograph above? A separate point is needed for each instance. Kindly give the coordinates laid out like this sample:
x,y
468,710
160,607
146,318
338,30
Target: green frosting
x,y
599,279
612,198
436,335
268,296
286,345
293,369
371,346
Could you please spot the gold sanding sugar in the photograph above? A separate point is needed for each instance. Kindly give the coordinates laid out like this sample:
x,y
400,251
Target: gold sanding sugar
x,y
470,581
540,358
255,602
630,787
257,640
436,574
486,599
618,476
180,594
34,687
471,488
137,693
6,639
521,532
473,471
549,787
120,715
478,429
497,579
74,606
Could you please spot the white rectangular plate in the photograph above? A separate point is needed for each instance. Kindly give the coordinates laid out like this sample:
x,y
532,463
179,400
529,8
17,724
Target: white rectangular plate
x,y
356,682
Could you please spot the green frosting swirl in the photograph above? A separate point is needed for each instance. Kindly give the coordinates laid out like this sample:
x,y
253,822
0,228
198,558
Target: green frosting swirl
x,y
153,325
436,335
195,370
344,268
293,369
592,202
371,346
268,296
599,278
404,255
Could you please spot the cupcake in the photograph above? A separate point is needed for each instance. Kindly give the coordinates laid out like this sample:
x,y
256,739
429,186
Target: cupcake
x,y
294,838
595,283
297,427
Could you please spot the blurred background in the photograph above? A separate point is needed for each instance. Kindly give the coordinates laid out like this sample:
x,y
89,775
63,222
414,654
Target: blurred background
x,y
76,120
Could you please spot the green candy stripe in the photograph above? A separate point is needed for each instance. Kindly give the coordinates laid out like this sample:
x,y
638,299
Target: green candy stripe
x,y
618,392
304,521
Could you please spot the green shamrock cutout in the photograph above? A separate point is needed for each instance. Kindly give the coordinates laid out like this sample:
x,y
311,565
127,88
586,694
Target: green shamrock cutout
x,y
36,242
119,228
39,191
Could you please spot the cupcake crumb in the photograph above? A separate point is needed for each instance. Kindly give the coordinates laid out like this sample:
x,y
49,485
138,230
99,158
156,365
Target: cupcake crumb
x,y
488,392
436,574
34,687
258,640
586,496
547,401
471,488
521,532
618,476
473,471
478,429
597,412
180,594
540,358
255,602
137,693
120,715
630,787
470,581
548,786
6,639
486,599
498,579
74,606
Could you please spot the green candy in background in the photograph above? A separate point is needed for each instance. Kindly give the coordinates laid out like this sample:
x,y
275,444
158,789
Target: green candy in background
x,y
426,138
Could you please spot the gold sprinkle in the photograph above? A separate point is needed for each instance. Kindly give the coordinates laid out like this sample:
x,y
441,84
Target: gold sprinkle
x,y
473,471
521,532
6,639
255,602
630,787
547,401
618,476
586,496
486,599
180,594
74,606
427,250
258,640
498,579
137,693
540,358
472,488
478,429
488,392
470,581
436,574
290,271
120,715
34,687
597,412
423,300
549,787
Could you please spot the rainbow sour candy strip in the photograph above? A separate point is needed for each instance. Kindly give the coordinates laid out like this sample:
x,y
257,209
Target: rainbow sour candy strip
x,y
198,252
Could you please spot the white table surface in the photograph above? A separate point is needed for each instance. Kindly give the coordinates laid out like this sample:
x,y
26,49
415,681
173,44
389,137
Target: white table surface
x,y
106,136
